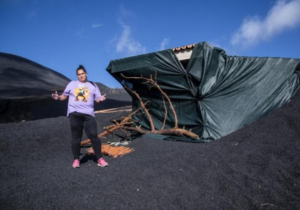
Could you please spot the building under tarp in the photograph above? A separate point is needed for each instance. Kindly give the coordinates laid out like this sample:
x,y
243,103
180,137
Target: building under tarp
x,y
213,94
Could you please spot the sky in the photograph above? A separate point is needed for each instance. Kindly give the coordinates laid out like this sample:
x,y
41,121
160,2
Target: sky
x,y
61,34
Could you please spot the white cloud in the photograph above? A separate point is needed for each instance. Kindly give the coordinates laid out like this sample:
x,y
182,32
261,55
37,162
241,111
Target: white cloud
x,y
127,44
126,13
164,43
282,16
96,25
80,33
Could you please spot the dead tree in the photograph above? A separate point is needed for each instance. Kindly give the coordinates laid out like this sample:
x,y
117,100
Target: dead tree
x,y
171,131
129,124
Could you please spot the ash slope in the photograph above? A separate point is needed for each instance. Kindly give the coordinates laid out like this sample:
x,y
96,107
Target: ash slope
x,y
257,167
23,78
26,87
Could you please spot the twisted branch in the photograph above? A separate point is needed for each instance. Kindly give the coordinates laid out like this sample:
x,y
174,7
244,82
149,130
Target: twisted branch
x,y
151,81
143,106
114,127
127,122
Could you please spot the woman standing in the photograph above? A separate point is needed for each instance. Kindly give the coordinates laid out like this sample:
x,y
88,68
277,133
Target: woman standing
x,y
82,95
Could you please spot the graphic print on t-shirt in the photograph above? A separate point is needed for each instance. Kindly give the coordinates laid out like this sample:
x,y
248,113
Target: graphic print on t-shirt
x,y
82,93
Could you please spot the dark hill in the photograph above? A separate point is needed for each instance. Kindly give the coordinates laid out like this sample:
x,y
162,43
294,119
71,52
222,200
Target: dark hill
x,y
23,78
26,87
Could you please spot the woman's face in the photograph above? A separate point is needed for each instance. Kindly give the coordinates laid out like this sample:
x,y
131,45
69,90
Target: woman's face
x,y
81,75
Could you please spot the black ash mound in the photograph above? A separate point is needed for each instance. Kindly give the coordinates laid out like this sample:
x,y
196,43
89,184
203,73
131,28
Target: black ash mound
x,y
22,78
26,87
257,167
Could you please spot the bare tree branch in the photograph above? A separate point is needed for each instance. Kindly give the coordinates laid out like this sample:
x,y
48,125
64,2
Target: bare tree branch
x,y
151,81
144,108
112,128
128,123
166,114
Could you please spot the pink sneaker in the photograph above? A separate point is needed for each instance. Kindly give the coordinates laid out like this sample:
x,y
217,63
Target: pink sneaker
x,y
102,162
76,163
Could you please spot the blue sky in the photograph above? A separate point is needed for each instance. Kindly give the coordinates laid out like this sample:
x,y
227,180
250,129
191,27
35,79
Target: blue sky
x,y
63,34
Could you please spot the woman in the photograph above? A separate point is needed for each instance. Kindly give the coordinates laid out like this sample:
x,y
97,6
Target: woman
x,y
82,95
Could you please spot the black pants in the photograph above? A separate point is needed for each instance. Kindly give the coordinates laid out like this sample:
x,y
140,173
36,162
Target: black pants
x,y
79,122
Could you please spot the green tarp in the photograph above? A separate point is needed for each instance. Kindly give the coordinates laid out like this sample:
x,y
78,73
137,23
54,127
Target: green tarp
x,y
214,94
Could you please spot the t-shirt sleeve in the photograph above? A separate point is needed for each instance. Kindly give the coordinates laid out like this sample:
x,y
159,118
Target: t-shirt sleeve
x,y
97,93
68,89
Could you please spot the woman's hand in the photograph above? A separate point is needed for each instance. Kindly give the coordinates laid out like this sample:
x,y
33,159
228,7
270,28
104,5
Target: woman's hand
x,y
55,95
102,98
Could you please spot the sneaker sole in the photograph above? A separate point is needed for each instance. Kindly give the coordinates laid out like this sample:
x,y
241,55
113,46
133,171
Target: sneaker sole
x,y
102,165
76,166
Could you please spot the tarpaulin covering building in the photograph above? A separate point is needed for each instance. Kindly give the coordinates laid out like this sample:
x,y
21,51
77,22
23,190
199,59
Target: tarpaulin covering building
x,y
213,94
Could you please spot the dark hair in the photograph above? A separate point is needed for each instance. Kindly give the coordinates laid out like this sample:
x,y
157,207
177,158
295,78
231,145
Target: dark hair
x,y
80,67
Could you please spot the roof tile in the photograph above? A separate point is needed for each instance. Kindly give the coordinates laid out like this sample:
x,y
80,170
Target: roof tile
x,y
182,48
